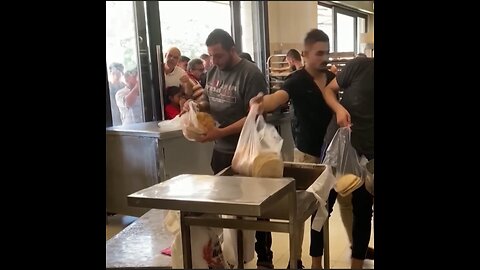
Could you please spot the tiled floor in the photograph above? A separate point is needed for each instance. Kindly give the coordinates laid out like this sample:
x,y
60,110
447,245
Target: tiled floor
x,y
339,245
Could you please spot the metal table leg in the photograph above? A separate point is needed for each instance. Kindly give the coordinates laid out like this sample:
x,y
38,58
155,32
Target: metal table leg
x,y
240,248
292,199
186,243
326,244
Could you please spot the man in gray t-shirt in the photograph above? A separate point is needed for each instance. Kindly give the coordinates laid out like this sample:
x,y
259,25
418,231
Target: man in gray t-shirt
x,y
230,85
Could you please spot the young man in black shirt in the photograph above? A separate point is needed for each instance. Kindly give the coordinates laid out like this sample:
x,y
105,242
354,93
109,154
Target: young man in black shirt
x,y
312,114
356,110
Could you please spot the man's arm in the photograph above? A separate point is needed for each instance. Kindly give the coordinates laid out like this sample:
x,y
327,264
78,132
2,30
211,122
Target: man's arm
x,y
330,93
218,133
132,96
269,103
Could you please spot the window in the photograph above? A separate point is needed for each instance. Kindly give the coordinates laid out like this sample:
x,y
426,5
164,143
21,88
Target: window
x,y
122,52
186,24
343,27
361,28
345,33
325,23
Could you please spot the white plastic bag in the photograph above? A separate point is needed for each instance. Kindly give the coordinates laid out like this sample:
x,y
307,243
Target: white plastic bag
x,y
230,247
205,245
172,124
257,137
191,128
321,190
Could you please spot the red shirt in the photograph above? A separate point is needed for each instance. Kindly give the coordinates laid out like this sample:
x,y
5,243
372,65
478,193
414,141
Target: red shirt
x,y
171,111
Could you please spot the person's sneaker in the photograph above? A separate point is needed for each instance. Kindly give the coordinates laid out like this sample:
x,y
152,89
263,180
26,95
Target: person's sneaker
x,y
299,265
264,265
370,253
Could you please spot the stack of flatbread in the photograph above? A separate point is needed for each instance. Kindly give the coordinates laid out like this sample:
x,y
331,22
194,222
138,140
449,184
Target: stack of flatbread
x,y
205,123
267,164
348,183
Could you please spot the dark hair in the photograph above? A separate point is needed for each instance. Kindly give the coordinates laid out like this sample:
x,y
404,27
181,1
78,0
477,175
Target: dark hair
x,y
246,56
222,37
117,66
192,63
204,56
315,35
131,72
294,54
173,90
184,59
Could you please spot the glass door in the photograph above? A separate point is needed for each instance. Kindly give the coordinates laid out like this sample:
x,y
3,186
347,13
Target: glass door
x,y
131,82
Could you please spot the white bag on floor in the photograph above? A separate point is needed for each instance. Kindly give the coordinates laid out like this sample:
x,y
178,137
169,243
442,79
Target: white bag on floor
x,y
230,247
205,245
321,190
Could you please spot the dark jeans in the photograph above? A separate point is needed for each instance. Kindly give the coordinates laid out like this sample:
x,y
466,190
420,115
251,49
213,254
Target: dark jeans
x,y
362,202
263,245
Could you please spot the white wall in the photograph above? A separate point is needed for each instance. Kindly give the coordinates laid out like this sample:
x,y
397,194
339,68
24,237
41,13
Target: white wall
x,y
289,21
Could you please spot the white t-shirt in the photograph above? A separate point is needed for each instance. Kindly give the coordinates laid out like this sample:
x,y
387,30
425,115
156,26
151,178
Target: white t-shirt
x,y
173,78
132,114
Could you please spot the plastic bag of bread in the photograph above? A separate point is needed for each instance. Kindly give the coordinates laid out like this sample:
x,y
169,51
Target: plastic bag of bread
x,y
258,152
350,169
195,124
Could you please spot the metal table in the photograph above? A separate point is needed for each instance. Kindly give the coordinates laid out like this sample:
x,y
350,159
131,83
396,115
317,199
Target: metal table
x,y
227,195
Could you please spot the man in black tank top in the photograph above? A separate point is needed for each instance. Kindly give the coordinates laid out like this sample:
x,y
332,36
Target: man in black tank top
x,y
303,88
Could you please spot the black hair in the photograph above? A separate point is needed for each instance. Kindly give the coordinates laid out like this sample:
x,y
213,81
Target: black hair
x,y
117,66
131,72
246,56
315,35
173,90
222,37
294,54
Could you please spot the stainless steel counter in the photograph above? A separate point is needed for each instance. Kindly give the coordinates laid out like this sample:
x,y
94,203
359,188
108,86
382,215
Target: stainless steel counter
x,y
140,244
143,154
148,129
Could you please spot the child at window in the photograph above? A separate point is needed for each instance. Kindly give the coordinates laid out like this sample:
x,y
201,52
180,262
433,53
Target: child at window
x,y
174,100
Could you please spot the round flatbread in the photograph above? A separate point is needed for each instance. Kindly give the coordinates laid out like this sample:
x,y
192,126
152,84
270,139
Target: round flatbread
x,y
267,164
205,120
345,182
193,133
357,184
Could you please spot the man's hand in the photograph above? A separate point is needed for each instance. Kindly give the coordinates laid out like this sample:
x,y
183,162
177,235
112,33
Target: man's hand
x,y
343,118
197,93
212,134
186,106
257,101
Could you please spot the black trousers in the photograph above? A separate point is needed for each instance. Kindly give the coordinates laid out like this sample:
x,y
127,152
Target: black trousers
x,y
263,245
362,202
